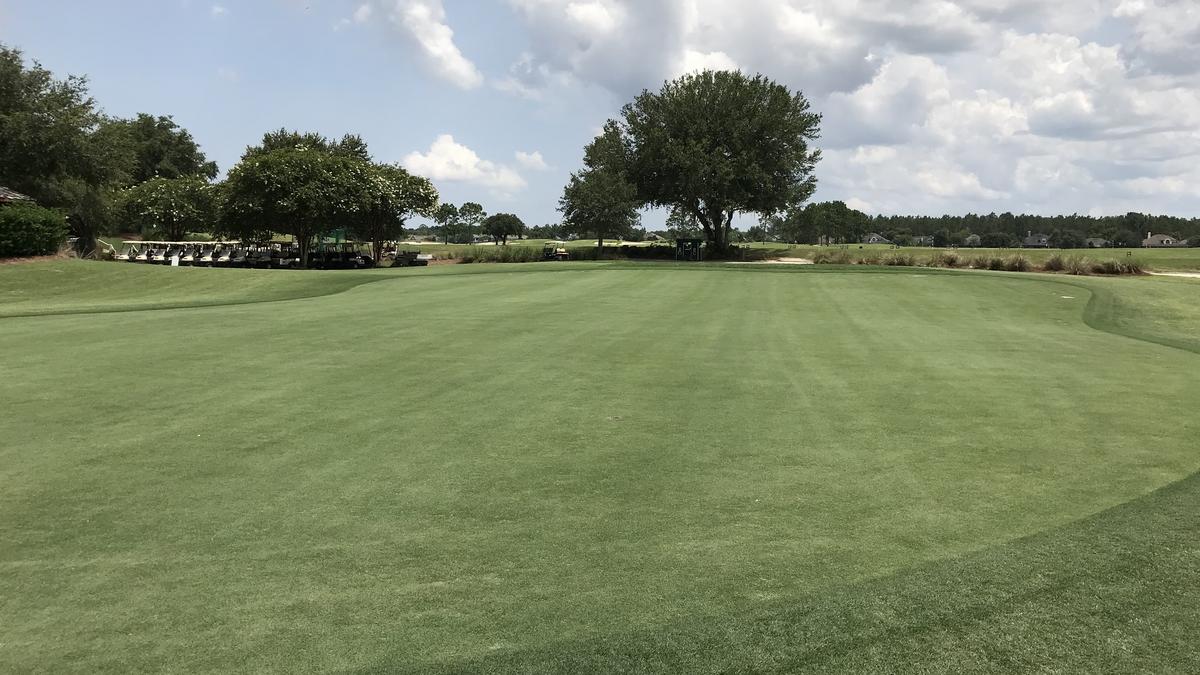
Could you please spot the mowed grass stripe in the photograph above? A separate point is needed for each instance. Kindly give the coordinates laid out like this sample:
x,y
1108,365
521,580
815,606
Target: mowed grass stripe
x,y
435,470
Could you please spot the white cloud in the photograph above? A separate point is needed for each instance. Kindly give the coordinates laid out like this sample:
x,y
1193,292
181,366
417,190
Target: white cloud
x,y
424,22
363,13
929,105
218,10
532,160
449,160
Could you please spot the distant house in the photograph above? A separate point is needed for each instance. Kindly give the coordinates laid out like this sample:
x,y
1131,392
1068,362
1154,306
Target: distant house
x,y
8,196
1161,241
922,240
1036,241
973,241
1098,242
654,237
876,238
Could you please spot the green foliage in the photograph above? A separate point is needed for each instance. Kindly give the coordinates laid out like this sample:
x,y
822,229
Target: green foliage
x,y
501,226
899,260
300,191
823,222
1077,265
172,207
833,257
30,230
599,201
711,144
387,197
161,149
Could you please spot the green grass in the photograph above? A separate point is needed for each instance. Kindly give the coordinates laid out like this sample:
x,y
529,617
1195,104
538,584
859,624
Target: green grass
x,y
598,467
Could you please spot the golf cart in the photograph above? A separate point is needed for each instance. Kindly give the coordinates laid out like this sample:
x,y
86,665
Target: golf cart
x,y
346,255
127,253
555,250
158,255
208,255
411,259
189,254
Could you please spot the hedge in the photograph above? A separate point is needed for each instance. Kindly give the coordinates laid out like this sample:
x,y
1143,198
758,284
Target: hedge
x,y
28,230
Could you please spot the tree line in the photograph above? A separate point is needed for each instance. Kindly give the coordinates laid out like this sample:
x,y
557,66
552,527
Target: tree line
x,y
107,174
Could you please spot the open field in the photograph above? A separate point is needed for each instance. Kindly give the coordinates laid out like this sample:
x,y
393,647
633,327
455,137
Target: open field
x,y
597,467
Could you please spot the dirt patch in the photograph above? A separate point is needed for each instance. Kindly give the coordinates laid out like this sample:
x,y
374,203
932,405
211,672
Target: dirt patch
x,y
778,261
35,259
1179,274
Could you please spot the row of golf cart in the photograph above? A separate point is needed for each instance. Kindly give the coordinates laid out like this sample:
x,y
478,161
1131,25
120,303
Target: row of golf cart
x,y
275,255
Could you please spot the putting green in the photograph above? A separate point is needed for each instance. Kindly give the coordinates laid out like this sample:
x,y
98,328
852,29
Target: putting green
x,y
572,469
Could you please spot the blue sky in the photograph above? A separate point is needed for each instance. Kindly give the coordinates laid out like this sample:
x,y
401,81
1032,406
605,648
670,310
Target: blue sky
x,y
931,106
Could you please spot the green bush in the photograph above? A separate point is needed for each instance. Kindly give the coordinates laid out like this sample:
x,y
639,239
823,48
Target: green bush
x,y
996,264
28,230
1107,267
1132,266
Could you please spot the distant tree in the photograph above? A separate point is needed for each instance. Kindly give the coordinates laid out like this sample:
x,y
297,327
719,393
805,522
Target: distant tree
x,y
714,144
683,225
388,196
470,217
501,226
446,217
1067,239
161,149
174,207
998,240
757,233
599,201
1128,239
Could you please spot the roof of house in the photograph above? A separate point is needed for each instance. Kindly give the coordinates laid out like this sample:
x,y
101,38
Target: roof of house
x,y
1036,239
7,195
875,235
1160,238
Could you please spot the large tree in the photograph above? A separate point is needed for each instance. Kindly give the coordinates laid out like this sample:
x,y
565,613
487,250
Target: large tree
x,y
294,191
718,143
600,201
55,147
501,226
161,149
388,197
174,207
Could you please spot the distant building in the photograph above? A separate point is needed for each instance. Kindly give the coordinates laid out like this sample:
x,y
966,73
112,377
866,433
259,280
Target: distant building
x,y
1097,242
1036,241
1162,241
8,196
876,238
922,240
973,241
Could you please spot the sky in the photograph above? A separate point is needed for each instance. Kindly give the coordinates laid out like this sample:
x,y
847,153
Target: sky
x,y
929,106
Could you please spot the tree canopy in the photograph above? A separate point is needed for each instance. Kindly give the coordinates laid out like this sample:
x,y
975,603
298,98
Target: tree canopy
x,y
172,207
388,197
501,226
714,144
160,148
599,200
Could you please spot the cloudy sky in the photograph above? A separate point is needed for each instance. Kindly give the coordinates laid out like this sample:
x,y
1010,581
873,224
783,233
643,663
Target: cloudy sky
x,y
930,106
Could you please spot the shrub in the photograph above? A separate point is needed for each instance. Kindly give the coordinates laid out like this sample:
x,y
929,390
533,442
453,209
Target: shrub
x,y
900,260
945,259
869,260
1077,265
1132,266
1106,267
838,257
1017,263
29,230
979,262
996,264
1055,263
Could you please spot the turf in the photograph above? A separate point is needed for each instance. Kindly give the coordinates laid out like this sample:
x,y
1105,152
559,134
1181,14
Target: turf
x,y
599,468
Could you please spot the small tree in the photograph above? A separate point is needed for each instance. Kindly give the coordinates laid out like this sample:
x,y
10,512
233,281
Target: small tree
x,y
173,206
388,197
446,216
501,226
470,217
600,200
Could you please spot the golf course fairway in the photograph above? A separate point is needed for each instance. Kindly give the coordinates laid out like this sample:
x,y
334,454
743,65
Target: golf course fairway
x,y
597,468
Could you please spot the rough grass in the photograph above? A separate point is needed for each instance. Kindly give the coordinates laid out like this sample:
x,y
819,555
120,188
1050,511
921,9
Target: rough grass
x,y
599,468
